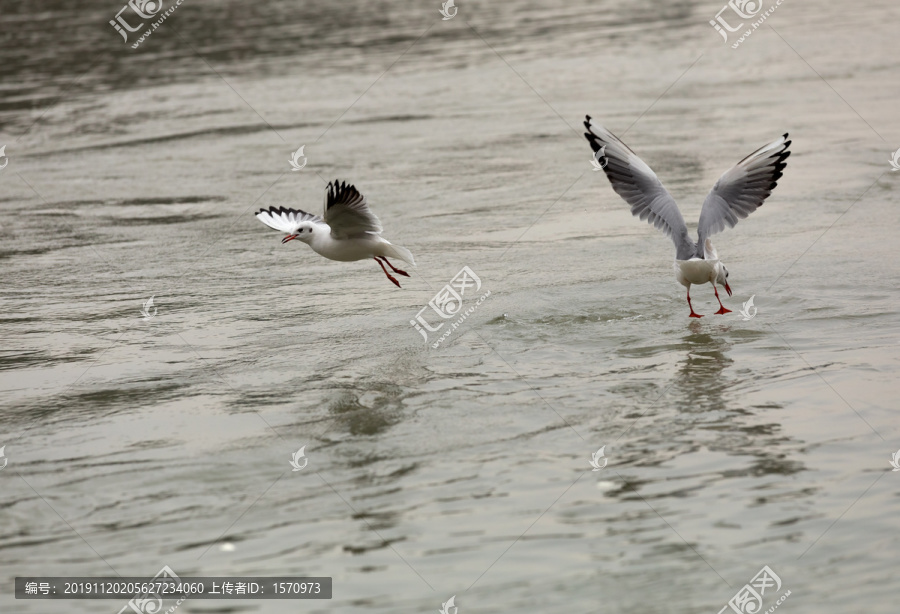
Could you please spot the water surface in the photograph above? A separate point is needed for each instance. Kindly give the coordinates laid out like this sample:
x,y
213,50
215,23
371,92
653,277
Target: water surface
x,y
732,444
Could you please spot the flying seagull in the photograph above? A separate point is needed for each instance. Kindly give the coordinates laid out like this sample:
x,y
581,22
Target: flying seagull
x,y
348,231
737,194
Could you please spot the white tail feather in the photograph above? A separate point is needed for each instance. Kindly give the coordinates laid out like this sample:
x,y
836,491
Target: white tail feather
x,y
395,251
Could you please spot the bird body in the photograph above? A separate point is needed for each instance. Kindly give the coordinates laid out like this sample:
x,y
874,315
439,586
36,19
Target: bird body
x,y
323,243
349,231
696,271
706,270
738,192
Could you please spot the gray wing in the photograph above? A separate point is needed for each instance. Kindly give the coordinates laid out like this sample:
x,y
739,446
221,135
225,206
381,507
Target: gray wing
x,y
285,220
347,213
639,186
743,188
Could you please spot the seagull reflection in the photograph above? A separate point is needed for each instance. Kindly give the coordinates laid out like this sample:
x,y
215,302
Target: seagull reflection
x,y
701,381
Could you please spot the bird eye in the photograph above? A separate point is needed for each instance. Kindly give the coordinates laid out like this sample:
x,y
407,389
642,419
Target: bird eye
x,y
299,231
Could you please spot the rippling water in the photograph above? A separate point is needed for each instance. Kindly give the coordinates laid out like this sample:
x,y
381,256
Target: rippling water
x,y
135,443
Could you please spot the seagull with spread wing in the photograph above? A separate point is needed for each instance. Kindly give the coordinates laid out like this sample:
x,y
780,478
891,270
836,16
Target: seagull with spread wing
x,y
737,194
349,230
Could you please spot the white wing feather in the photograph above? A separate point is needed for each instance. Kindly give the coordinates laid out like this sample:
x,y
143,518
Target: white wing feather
x,y
285,220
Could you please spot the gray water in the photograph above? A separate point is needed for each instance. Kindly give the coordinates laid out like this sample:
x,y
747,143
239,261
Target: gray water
x,y
135,443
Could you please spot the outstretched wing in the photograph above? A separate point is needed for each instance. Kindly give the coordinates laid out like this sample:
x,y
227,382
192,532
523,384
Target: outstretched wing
x,y
285,220
639,186
347,213
743,188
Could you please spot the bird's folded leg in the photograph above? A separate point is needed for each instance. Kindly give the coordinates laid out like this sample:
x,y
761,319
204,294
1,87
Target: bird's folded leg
x,y
389,276
393,268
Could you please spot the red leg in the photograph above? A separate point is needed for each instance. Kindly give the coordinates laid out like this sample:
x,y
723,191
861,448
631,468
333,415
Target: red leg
x,y
389,276
722,309
693,315
393,268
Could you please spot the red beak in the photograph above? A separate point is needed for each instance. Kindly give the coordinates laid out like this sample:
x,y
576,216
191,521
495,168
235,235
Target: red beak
x,y
292,237
727,288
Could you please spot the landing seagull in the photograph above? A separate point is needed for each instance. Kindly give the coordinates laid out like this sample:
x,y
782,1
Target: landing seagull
x,y
737,194
349,230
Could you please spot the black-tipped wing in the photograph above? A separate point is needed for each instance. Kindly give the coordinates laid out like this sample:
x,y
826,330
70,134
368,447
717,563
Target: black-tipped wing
x,y
347,213
743,188
639,186
285,220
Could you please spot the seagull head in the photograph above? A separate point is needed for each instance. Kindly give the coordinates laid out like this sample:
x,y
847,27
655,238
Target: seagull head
x,y
722,278
303,233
